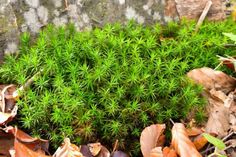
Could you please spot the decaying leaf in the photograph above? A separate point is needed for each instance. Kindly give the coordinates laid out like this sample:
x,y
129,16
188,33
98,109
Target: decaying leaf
x,y
194,131
15,141
156,152
98,150
230,62
32,143
95,148
6,143
8,109
199,142
169,152
181,142
68,150
119,154
20,150
212,79
149,138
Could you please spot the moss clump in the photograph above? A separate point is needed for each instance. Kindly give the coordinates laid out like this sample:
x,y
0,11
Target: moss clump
x,y
110,83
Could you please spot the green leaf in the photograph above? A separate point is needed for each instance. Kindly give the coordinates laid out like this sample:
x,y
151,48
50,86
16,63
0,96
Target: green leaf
x,y
231,36
215,141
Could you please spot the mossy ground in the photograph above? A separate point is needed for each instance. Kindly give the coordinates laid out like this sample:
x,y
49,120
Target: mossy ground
x,y
111,82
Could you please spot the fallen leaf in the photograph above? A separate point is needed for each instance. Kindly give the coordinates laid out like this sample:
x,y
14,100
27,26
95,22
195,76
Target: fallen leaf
x,y
95,148
21,150
35,144
68,150
218,121
149,138
212,79
199,142
14,141
104,152
194,131
218,143
6,143
156,152
181,142
119,154
8,109
169,152
84,149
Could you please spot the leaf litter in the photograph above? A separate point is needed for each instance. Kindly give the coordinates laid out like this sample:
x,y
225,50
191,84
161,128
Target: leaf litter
x,y
220,129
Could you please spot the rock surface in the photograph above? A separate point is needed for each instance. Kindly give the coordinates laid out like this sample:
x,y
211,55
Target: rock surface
x,y
18,16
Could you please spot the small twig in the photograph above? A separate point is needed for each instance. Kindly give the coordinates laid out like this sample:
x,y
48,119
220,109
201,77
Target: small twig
x,y
220,64
203,15
172,121
229,45
115,146
226,137
207,150
16,94
66,4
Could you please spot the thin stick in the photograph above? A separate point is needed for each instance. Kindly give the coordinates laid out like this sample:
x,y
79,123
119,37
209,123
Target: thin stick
x,y
66,4
221,63
115,146
203,15
226,137
172,121
16,94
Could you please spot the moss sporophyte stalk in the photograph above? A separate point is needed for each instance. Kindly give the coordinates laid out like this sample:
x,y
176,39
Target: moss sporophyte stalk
x,y
111,82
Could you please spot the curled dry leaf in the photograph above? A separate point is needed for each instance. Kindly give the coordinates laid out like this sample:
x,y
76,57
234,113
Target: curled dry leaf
x,y
32,143
149,138
156,152
21,144
181,142
68,150
84,149
169,152
95,148
20,150
8,109
212,79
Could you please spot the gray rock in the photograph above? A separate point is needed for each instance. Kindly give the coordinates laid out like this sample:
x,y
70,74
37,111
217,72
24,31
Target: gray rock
x,y
9,33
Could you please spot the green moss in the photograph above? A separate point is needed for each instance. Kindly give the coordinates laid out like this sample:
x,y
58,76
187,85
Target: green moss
x,y
110,83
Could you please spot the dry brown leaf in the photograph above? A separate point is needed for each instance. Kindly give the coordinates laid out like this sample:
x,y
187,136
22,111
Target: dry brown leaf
x,y
8,109
104,152
35,144
194,131
98,150
200,142
119,154
181,142
20,144
68,150
218,121
6,143
212,79
156,152
84,149
149,138
169,152
95,148
21,150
